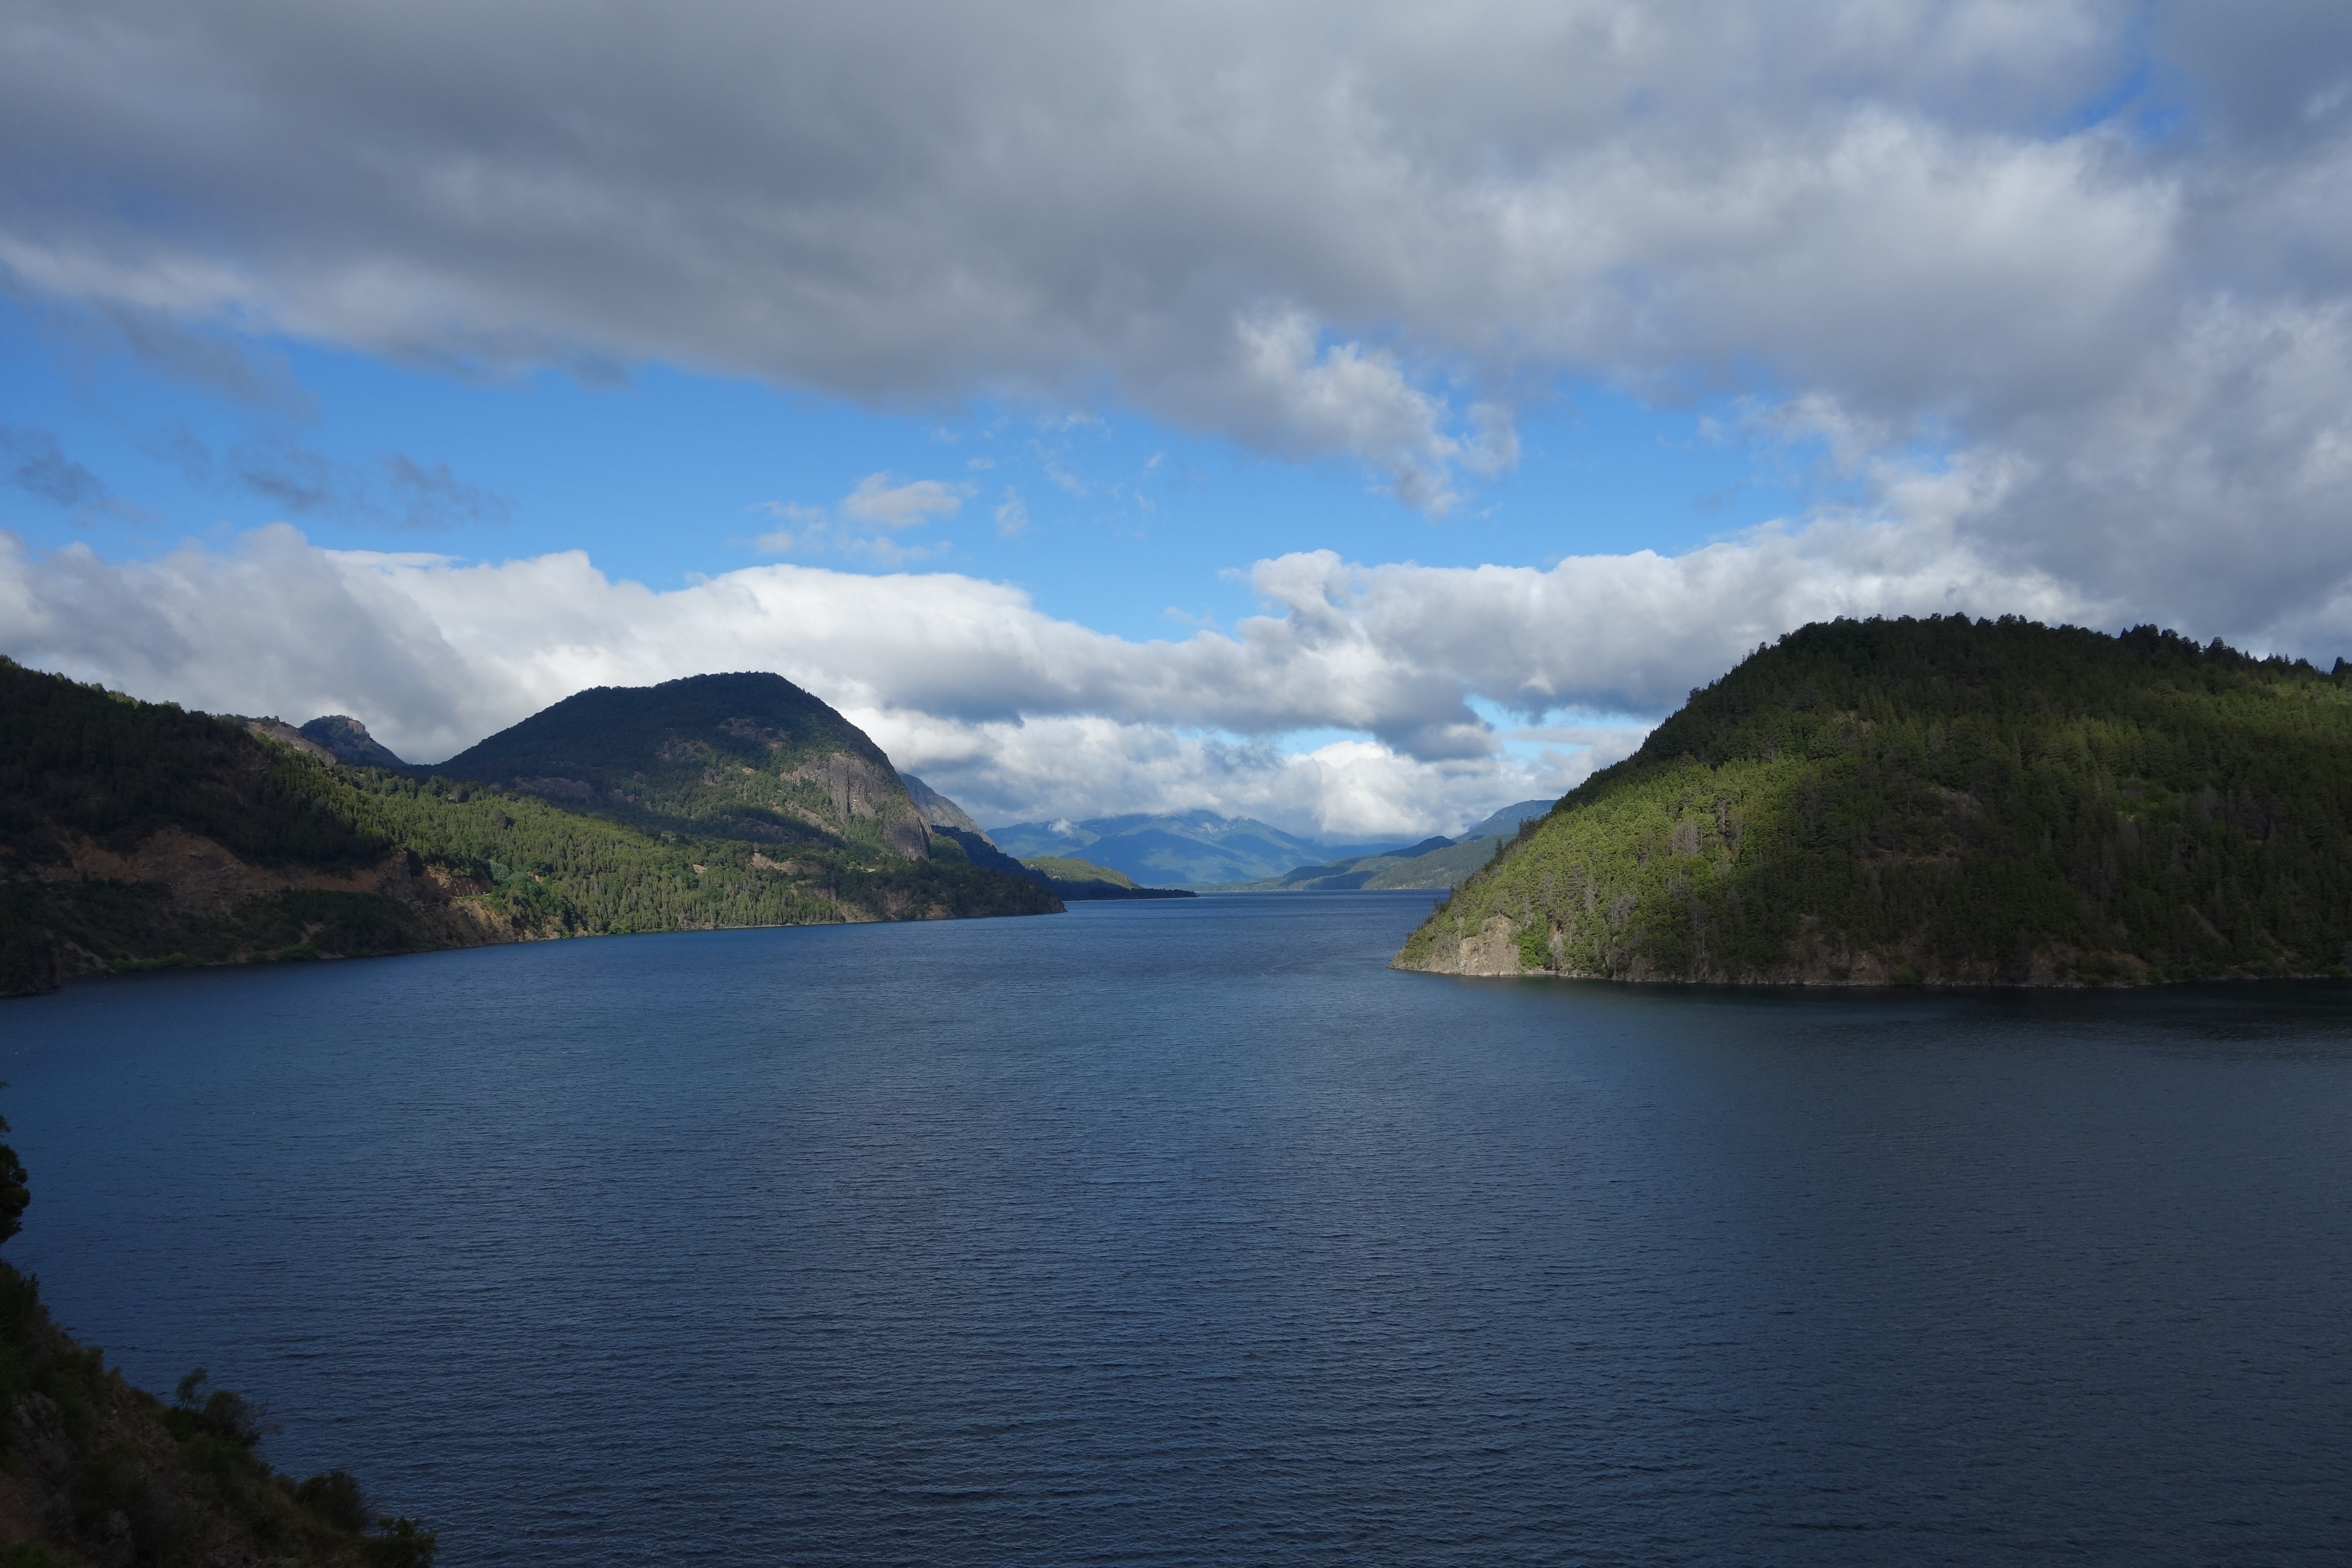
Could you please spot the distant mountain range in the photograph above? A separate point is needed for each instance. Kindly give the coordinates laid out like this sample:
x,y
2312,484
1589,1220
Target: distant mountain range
x,y
1202,850
1065,877
1431,863
1191,849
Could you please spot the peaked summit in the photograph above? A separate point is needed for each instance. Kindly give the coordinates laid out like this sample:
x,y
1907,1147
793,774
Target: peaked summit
x,y
745,755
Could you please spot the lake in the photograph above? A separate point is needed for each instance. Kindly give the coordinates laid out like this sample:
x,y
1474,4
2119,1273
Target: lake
x,y
1186,1232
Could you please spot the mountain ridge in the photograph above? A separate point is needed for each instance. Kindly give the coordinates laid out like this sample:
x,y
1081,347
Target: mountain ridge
x,y
1185,849
1437,862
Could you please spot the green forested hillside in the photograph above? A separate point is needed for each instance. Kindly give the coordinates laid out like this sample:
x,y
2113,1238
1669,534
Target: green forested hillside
x,y
1067,869
1946,801
136,834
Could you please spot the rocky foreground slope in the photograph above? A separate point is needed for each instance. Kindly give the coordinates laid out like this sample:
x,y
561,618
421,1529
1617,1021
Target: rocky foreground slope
x,y
1945,802
97,1474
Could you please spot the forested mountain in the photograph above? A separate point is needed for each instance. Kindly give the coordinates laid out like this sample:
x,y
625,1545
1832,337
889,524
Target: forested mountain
x,y
743,756
1949,802
137,834
1075,879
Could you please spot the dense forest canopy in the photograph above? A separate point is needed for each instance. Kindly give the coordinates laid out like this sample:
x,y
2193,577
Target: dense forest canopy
x,y
1949,800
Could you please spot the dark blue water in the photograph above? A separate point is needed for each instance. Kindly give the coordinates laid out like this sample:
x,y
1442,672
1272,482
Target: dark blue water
x,y
1187,1233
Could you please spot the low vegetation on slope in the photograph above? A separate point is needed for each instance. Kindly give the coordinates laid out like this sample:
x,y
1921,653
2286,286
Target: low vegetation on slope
x,y
135,834
1949,802
95,1473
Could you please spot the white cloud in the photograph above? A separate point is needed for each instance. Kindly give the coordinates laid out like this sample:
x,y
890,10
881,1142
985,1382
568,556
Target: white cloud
x,y
1349,399
967,682
883,502
1012,513
809,527
871,515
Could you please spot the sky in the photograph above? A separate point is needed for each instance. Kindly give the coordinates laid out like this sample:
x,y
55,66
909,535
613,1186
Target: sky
x,y
1355,417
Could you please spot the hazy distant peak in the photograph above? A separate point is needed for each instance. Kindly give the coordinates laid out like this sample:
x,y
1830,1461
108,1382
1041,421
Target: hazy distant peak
x,y
938,809
1507,821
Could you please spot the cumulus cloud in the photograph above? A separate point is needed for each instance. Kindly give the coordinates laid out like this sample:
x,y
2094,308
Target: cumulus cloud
x,y
882,501
870,516
1346,398
968,683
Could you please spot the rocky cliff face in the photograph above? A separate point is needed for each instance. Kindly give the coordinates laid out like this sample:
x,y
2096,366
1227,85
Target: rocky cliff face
x,y
938,810
348,741
856,792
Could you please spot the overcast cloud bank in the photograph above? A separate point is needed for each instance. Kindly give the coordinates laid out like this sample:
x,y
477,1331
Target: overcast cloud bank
x,y
2100,250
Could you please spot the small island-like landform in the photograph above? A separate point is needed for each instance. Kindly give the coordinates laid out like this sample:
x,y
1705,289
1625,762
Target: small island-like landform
x,y
1066,868
1945,802
94,1472
138,835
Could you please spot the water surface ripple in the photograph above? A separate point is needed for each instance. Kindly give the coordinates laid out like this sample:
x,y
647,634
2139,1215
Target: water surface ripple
x,y
1186,1232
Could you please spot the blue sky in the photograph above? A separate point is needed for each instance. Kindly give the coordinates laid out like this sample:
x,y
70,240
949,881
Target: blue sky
x,y
1355,417
1103,514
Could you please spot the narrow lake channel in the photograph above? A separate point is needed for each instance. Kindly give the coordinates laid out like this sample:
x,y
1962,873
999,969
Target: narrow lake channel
x,y
1188,1233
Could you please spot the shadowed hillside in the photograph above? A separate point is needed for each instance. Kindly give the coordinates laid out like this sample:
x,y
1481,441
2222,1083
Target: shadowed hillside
x,y
1949,802
740,757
